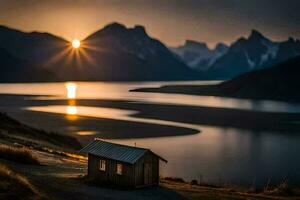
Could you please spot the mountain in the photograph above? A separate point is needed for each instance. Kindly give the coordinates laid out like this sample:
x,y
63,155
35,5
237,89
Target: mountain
x,y
131,54
280,82
197,55
17,70
34,46
252,53
114,53
244,55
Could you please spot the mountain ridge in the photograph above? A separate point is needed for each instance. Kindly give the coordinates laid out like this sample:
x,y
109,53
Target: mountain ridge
x,y
119,53
253,52
113,53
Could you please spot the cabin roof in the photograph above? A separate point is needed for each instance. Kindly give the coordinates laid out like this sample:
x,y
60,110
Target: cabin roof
x,y
119,152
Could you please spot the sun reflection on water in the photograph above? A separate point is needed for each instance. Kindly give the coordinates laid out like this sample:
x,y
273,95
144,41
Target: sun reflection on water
x,y
71,109
71,90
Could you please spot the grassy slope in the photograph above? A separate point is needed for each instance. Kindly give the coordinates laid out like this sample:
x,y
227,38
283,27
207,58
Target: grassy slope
x,y
20,143
17,154
55,177
13,131
15,186
209,192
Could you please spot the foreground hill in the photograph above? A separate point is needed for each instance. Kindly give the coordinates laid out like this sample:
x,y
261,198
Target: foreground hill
x,y
280,82
12,131
114,53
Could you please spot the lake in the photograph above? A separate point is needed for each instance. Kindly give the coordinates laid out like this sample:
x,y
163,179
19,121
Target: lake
x,y
194,151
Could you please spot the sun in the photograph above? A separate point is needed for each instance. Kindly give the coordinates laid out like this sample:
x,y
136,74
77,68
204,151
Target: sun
x,y
76,43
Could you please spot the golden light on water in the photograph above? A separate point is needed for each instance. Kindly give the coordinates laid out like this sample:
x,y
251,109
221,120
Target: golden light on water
x,y
71,110
71,90
76,43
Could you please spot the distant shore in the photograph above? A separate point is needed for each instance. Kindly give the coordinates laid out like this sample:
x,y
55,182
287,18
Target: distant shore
x,y
208,90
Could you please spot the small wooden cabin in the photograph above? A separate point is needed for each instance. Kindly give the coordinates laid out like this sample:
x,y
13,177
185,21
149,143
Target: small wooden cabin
x,y
122,166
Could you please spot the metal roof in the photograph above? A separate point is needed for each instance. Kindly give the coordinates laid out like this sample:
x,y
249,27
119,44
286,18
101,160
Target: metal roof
x,y
119,152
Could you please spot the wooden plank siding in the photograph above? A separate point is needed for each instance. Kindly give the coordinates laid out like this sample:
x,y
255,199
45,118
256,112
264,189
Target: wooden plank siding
x,y
133,175
110,176
153,162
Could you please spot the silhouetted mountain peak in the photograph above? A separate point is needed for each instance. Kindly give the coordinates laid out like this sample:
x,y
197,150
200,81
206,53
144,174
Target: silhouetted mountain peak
x,y
220,47
239,43
195,44
291,40
121,31
113,28
257,36
140,29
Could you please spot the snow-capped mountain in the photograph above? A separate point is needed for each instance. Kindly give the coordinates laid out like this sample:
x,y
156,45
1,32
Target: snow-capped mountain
x,y
244,55
197,55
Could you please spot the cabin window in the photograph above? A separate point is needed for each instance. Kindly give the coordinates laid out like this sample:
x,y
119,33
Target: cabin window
x,y
102,165
119,169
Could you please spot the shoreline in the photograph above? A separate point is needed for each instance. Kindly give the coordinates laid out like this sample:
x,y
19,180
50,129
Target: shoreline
x,y
206,90
198,115
61,176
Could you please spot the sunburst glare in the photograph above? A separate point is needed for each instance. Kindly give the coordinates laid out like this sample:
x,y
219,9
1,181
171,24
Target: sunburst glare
x,y
76,43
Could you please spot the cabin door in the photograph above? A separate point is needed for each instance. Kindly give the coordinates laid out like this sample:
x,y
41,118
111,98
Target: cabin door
x,y
147,174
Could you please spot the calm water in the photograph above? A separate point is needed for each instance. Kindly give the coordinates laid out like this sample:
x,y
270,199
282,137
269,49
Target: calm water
x,y
215,155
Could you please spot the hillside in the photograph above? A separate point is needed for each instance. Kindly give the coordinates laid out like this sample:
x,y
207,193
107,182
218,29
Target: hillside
x,y
14,69
12,131
280,82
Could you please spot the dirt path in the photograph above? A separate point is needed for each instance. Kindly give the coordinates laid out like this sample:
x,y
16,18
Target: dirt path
x,y
58,179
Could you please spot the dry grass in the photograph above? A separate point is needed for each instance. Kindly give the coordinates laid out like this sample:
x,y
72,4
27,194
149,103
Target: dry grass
x,y
16,186
16,154
173,179
283,189
75,156
194,190
12,130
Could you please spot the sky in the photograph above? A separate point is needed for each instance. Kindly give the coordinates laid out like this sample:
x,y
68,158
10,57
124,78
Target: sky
x,y
171,21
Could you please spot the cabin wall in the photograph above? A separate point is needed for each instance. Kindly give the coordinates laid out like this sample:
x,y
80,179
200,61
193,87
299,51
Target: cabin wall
x,y
110,176
147,170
